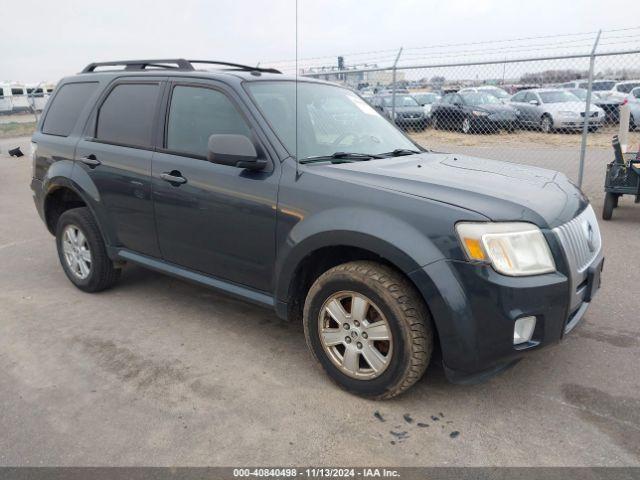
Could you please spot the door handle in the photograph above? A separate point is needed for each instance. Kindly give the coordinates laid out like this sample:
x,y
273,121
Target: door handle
x,y
174,177
91,161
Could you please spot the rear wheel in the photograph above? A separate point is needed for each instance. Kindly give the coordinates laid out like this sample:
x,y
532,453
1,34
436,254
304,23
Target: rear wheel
x,y
610,202
368,328
82,251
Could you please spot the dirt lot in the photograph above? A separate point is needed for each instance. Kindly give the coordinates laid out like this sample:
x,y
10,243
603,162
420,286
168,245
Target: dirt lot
x,y
160,372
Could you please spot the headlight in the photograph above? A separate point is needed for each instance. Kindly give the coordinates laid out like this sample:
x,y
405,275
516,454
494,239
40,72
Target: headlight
x,y
512,248
567,114
479,113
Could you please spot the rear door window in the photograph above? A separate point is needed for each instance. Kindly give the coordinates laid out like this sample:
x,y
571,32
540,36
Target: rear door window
x,y
195,114
127,115
66,107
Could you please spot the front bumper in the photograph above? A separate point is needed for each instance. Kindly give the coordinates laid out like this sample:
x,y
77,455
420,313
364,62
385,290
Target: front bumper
x,y
576,122
494,123
475,308
412,121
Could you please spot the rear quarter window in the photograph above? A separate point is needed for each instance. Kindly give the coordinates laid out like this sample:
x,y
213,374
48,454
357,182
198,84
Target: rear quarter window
x,y
66,108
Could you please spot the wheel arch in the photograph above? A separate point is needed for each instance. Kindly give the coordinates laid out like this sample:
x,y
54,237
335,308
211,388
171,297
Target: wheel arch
x,y
324,250
62,194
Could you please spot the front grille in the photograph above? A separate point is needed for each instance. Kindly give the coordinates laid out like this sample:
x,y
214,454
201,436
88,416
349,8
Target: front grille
x,y
580,238
591,114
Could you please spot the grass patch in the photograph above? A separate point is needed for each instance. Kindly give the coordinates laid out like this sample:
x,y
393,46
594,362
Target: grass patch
x,y
17,129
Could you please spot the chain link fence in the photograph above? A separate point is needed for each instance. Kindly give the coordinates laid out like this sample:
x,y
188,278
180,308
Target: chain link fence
x,y
557,112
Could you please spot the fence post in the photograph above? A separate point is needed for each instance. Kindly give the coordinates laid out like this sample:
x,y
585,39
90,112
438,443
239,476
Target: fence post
x,y
587,110
393,93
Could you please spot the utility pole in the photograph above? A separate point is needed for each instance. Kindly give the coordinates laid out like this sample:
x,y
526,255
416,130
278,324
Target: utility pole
x,y
393,93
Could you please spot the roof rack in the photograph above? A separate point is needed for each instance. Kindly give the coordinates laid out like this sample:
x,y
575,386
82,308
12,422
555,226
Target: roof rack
x,y
173,64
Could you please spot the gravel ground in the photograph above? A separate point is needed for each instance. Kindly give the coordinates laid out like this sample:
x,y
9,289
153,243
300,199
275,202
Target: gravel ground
x,y
161,372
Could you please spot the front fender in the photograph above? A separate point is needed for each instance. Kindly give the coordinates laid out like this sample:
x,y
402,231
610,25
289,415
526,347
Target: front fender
x,y
382,234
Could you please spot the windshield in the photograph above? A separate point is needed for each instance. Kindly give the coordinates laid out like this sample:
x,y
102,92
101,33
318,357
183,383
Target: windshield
x,y
496,92
401,101
627,87
426,98
581,93
478,98
558,97
602,86
330,119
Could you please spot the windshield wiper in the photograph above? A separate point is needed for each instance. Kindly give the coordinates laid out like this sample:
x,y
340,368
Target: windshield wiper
x,y
399,152
338,157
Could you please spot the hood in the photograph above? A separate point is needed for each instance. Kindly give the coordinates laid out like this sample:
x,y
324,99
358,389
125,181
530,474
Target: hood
x,y
501,191
407,109
496,108
577,107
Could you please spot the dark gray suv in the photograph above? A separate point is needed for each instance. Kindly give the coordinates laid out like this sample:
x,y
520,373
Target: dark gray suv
x,y
297,195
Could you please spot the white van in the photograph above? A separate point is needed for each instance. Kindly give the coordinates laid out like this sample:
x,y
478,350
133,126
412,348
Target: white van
x,y
37,96
19,97
6,105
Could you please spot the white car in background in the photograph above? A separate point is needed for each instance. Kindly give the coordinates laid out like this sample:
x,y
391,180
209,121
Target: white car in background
x,y
621,90
554,109
633,98
426,101
497,92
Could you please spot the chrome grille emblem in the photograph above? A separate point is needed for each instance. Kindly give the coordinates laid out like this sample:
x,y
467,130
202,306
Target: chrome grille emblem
x,y
588,235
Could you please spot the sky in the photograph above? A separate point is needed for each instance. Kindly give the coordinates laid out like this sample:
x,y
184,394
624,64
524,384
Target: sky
x,y
59,38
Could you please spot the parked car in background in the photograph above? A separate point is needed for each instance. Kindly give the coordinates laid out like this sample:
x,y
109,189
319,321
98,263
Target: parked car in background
x,y
620,90
497,92
634,104
473,112
407,113
553,108
426,101
574,84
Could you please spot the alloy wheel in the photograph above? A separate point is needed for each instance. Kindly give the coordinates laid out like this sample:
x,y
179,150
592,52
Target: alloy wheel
x,y
355,335
77,253
466,125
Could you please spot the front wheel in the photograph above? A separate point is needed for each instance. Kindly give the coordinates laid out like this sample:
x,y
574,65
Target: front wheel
x,y
546,124
465,126
368,328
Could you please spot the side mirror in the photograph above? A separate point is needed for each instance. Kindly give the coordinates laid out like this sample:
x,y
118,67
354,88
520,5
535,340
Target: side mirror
x,y
534,102
234,151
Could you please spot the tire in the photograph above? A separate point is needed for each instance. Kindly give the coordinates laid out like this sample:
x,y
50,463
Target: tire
x,y
393,301
615,200
100,271
546,124
465,125
610,201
